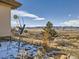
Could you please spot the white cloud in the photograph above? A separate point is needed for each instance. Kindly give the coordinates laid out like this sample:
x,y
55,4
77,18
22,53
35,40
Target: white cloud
x,y
25,14
13,23
39,18
71,23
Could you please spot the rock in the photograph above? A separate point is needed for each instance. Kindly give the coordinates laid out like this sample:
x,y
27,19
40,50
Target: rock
x,y
39,54
63,57
73,57
50,58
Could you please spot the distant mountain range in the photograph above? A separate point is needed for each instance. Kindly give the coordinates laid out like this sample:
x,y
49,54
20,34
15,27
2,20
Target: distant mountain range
x,y
56,27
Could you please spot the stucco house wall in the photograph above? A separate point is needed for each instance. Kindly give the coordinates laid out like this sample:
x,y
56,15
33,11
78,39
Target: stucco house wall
x,y
5,29
5,16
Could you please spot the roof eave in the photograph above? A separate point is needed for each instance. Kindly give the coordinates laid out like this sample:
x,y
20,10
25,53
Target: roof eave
x,y
13,4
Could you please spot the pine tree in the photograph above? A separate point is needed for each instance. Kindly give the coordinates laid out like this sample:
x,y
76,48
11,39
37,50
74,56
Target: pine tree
x,y
48,34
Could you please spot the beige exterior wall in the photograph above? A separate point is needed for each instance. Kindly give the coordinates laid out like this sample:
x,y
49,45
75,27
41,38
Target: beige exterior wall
x,y
5,29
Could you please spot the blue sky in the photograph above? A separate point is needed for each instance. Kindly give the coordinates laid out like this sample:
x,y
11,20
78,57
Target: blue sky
x,y
59,12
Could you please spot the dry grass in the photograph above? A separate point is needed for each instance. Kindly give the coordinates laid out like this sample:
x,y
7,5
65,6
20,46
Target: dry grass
x,y
71,39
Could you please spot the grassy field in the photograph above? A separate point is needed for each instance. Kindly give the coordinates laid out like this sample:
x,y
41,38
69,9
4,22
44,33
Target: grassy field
x,y
67,40
63,33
